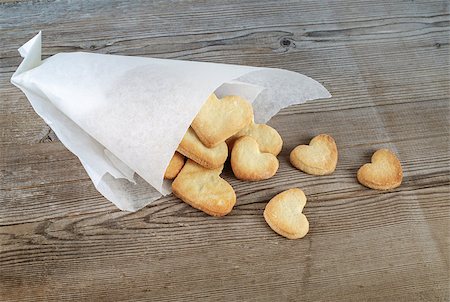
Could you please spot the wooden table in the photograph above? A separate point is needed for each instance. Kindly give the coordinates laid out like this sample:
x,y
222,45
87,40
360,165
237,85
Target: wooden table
x,y
386,64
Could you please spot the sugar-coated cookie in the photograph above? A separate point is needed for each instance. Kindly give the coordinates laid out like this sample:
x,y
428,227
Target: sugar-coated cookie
x,y
175,165
383,173
204,189
249,163
218,120
284,214
268,139
318,158
194,149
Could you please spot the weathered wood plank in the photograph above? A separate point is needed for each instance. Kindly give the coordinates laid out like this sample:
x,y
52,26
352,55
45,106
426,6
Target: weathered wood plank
x,y
184,263
386,64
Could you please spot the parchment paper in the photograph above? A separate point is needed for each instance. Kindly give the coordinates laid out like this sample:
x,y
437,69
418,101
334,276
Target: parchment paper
x,y
125,116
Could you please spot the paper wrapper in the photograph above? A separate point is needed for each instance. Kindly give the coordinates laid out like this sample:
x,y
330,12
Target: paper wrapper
x,y
125,116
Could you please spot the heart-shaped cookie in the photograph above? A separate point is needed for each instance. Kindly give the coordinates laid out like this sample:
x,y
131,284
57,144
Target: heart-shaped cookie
x,y
175,165
318,158
284,214
218,120
193,148
248,163
384,173
204,189
268,139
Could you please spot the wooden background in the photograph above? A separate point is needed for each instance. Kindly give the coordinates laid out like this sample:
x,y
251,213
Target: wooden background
x,y
385,62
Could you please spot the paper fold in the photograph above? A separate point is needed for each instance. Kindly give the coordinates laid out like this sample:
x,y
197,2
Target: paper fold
x,y
122,115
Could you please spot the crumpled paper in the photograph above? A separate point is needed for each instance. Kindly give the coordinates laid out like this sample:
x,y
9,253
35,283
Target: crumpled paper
x,y
125,116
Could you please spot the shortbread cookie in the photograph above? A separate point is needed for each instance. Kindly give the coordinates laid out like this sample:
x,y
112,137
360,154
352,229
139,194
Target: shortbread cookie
x,y
175,165
318,158
384,173
248,163
204,189
218,119
284,214
268,139
193,148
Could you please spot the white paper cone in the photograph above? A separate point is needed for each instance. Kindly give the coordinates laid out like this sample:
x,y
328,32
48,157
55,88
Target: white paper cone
x,y
124,115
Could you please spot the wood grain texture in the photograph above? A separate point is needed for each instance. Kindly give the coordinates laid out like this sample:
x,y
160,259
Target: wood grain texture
x,y
386,64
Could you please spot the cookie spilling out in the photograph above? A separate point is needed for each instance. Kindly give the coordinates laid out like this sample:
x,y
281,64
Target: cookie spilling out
x,y
249,163
283,214
253,148
204,189
175,165
318,158
226,126
383,173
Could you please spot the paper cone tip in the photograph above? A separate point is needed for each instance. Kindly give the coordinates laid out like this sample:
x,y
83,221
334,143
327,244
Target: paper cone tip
x,y
25,49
